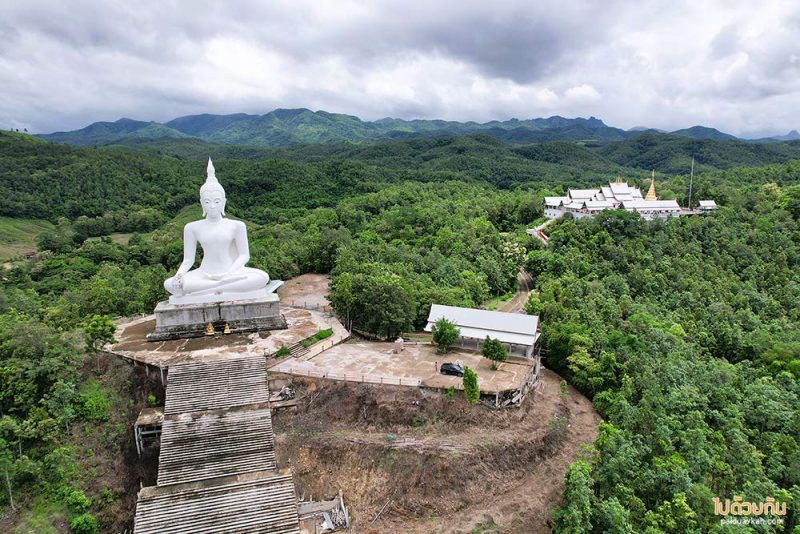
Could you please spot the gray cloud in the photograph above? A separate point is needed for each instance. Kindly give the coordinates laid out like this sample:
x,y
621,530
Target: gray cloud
x,y
662,64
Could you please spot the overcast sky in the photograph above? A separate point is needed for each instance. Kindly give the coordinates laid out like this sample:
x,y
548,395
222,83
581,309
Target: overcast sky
x,y
664,64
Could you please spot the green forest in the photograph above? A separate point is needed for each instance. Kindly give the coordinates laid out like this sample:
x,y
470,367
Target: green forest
x,y
685,334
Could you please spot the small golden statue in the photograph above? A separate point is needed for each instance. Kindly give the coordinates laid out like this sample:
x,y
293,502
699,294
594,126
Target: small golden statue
x,y
227,329
209,329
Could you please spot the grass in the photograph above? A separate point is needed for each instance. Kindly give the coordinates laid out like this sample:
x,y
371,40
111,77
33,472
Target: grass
x,y
44,517
496,302
120,238
18,236
319,336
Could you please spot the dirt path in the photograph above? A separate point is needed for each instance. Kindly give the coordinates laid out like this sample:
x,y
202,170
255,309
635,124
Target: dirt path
x,y
524,286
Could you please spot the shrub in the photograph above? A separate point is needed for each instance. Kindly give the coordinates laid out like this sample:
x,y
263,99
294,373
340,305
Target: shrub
x,y
471,389
84,524
445,333
152,400
563,390
76,501
107,496
494,350
283,351
450,393
319,336
94,405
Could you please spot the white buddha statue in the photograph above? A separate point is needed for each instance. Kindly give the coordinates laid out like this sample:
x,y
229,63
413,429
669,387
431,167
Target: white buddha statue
x,y
222,275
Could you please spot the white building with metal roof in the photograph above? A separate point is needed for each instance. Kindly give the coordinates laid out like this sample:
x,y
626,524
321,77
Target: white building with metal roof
x,y
618,195
707,205
517,331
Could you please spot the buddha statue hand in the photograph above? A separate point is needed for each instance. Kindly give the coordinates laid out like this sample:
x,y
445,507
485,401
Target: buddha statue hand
x,y
177,284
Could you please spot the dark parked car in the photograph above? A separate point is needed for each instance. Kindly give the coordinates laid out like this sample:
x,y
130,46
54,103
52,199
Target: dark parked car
x,y
451,369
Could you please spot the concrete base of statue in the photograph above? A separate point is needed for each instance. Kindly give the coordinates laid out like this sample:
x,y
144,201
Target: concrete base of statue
x,y
176,321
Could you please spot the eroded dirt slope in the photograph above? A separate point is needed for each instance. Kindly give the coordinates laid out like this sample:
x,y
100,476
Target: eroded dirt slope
x,y
409,462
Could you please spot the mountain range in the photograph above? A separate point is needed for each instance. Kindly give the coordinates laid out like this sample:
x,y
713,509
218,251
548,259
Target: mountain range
x,y
287,127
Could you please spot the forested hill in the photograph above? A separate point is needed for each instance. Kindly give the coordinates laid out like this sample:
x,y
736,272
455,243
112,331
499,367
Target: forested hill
x,y
157,179
685,333
286,127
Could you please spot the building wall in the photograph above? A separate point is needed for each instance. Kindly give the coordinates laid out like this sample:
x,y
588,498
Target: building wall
x,y
515,350
552,213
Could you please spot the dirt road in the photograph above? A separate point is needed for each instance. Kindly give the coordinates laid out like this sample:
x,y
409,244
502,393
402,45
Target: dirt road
x,y
524,287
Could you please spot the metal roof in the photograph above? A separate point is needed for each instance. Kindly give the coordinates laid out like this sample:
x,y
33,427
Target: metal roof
x,y
707,204
582,193
517,328
598,204
217,469
199,386
203,445
253,502
620,189
555,201
651,205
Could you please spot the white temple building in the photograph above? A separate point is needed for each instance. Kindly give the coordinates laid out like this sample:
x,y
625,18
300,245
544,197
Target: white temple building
x,y
617,195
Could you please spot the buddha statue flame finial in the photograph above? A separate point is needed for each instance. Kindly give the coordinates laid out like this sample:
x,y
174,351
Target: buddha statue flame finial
x,y
210,170
211,183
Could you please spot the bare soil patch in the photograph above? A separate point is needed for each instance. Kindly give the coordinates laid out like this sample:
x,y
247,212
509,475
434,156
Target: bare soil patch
x,y
409,462
306,291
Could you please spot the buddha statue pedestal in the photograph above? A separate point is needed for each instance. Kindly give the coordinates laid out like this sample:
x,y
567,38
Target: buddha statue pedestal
x,y
176,321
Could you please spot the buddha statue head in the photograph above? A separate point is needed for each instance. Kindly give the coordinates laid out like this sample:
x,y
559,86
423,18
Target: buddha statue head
x,y
212,195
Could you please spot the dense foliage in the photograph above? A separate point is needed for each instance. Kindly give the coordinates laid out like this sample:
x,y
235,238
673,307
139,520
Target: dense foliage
x,y
685,334
687,337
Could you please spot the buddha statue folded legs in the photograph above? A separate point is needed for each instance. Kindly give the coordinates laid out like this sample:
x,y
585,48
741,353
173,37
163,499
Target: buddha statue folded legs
x,y
197,287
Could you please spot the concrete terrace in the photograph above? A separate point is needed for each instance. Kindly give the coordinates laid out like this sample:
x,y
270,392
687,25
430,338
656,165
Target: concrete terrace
x,y
417,364
132,343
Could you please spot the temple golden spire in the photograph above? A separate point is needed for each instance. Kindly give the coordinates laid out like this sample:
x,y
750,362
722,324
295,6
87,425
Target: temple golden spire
x,y
651,193
619,179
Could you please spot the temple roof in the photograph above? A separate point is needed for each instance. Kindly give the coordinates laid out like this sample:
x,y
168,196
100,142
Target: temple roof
x,y
651,204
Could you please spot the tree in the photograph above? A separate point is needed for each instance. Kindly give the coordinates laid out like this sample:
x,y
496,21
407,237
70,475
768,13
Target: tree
x,y
533,306
492,349
7,466
471,389
342,298
575,516
445,333
99,328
